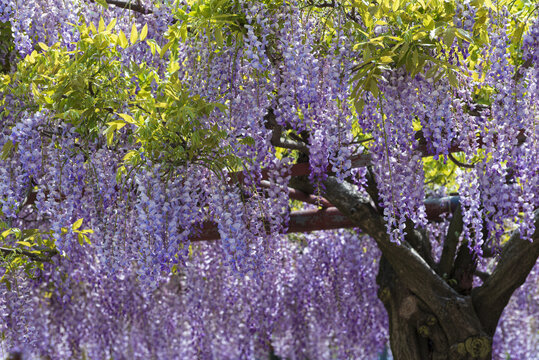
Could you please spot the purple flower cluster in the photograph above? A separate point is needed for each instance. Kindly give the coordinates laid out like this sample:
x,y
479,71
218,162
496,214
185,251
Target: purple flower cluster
x,y
464,17
6,10
395,156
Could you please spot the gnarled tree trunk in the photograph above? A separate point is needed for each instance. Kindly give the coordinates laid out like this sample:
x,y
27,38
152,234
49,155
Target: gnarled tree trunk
x,y
434,312
418,332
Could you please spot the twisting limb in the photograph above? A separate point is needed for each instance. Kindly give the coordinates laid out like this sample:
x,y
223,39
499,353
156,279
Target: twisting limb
x,y
419,240
458,163
333,5
130,5
451,242
449,308
463,269
517,259
277,138
372,188
409,265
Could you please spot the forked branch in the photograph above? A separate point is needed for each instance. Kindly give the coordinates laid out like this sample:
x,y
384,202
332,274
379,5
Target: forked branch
x,y
518,257
411,268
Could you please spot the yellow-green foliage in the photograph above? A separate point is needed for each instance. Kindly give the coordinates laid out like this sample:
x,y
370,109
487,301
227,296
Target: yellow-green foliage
x,y
92,89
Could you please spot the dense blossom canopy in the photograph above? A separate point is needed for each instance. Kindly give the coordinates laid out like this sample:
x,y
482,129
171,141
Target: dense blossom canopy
x,y
126,128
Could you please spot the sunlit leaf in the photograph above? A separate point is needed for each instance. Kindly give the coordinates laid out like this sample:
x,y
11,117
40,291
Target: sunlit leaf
x,y
144,32
76,225
134,34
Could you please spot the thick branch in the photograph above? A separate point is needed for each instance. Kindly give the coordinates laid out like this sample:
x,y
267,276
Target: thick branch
x,y
463,269
518,257
301,196
450,243
451,309
411,268
420,241
300,221
130,5
482,275
277,138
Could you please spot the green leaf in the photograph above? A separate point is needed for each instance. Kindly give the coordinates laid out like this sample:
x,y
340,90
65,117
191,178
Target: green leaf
x,y
111,24
129,155
154,47
121,171
374,88
8,287
144,32
127,118
165,48
134,34
80,238
452,78
464,35
25,243
359,105
449,36
43,46
428,22
101,27
103,3
248,141
183,31
116,125
218,36
221,107
6,233
488,4
122,40
110,135
76,225
6,150
173,66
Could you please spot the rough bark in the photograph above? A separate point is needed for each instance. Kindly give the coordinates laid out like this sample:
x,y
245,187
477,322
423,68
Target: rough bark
x,y
416,332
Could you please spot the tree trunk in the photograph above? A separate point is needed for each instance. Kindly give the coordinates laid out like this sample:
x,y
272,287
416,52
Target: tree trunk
x,y
416,333
429,318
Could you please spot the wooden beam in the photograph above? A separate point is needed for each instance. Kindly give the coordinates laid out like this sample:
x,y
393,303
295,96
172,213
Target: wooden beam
x,y
329,218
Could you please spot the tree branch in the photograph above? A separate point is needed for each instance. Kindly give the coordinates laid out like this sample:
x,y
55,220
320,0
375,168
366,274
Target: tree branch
x,y
130,5
458,163
45,255
450,308
451,242
277,138
419,240
411,268
463,269
481,274
518,257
